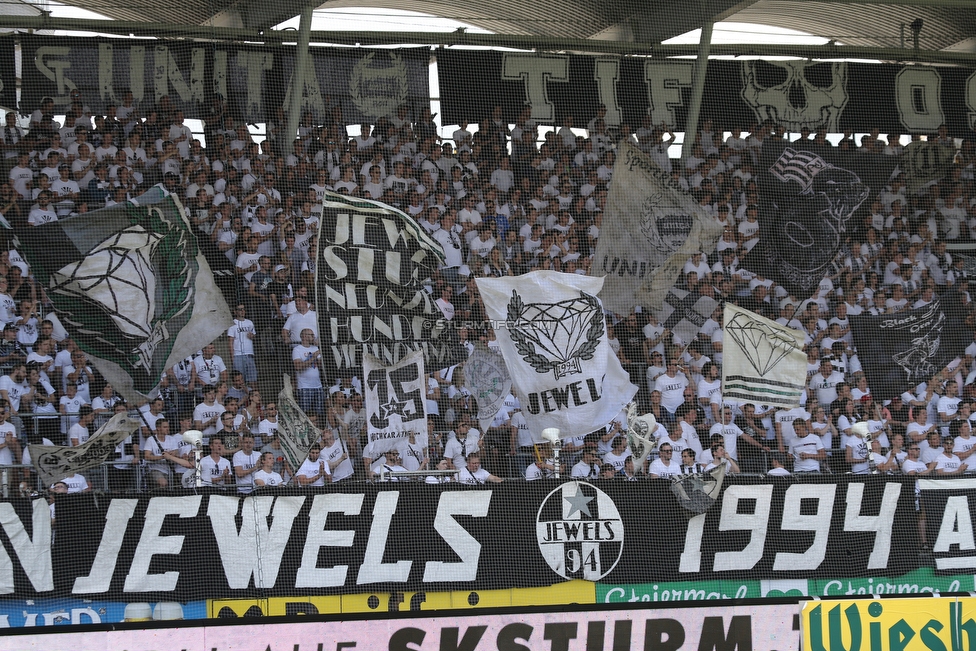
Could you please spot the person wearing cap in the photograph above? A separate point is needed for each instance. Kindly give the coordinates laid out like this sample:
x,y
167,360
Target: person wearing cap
x,y
619,453
947,463
589,466
824,383
240,337
11,351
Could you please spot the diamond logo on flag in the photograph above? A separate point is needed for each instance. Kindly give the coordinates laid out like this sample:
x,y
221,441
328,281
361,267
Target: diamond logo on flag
x,y
766,365
132,285
554,321
763,346
556,336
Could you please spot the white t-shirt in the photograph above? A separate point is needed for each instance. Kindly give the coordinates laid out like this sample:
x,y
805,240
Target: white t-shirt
x,y
311,469
269,478
245,484
809,444
210,470
308,378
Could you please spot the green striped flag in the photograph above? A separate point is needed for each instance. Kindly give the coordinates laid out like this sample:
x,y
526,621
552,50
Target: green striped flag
x,y
762,361
131,286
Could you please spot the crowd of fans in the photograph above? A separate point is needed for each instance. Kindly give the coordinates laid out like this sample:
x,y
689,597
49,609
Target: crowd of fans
x,y
502,200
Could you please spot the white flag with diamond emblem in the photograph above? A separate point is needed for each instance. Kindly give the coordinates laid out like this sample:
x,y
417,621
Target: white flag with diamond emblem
x,y
763,362
555,347
396,403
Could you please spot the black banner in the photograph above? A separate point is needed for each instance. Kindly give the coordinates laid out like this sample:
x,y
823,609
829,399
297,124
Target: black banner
x,y
373,264
948,504
900,351
365,84
8,74
810,200
835,95
414,536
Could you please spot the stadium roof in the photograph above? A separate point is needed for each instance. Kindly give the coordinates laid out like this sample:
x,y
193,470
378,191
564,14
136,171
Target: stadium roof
x,y
947,28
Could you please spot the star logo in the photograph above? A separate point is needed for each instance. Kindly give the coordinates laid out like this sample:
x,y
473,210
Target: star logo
x,y
579,531
578,504
392,407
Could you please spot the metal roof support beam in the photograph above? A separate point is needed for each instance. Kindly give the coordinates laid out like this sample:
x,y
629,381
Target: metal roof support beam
x,y
591,46
697,90
297,93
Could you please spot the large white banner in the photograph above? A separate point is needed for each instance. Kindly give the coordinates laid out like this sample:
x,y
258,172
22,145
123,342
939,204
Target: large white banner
x,y
651,227
762,362
556,350
395,400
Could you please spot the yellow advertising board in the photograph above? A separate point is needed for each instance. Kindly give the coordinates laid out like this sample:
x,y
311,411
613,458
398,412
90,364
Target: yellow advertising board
x,y
929,623
570,592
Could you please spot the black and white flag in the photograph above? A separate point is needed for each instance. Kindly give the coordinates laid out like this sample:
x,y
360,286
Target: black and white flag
x,y
808,199
651,227
487,378
924,163
296,431
762,361
555,347
698,491
395,401
899,351
55,462
131,285
373,262
684,313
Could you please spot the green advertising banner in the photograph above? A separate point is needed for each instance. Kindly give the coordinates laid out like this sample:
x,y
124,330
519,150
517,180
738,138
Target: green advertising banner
x,y
923,580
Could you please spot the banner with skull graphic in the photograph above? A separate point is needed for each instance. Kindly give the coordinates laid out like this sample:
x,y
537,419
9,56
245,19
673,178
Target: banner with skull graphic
x,y
818,95
555,346
810,197
899,351
651,227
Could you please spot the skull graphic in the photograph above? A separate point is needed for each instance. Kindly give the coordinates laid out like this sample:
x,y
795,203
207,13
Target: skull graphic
x,y
796,94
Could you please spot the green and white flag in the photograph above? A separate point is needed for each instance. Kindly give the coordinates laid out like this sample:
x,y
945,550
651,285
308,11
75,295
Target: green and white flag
x,y
130,285
762,361
55,462
296,431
